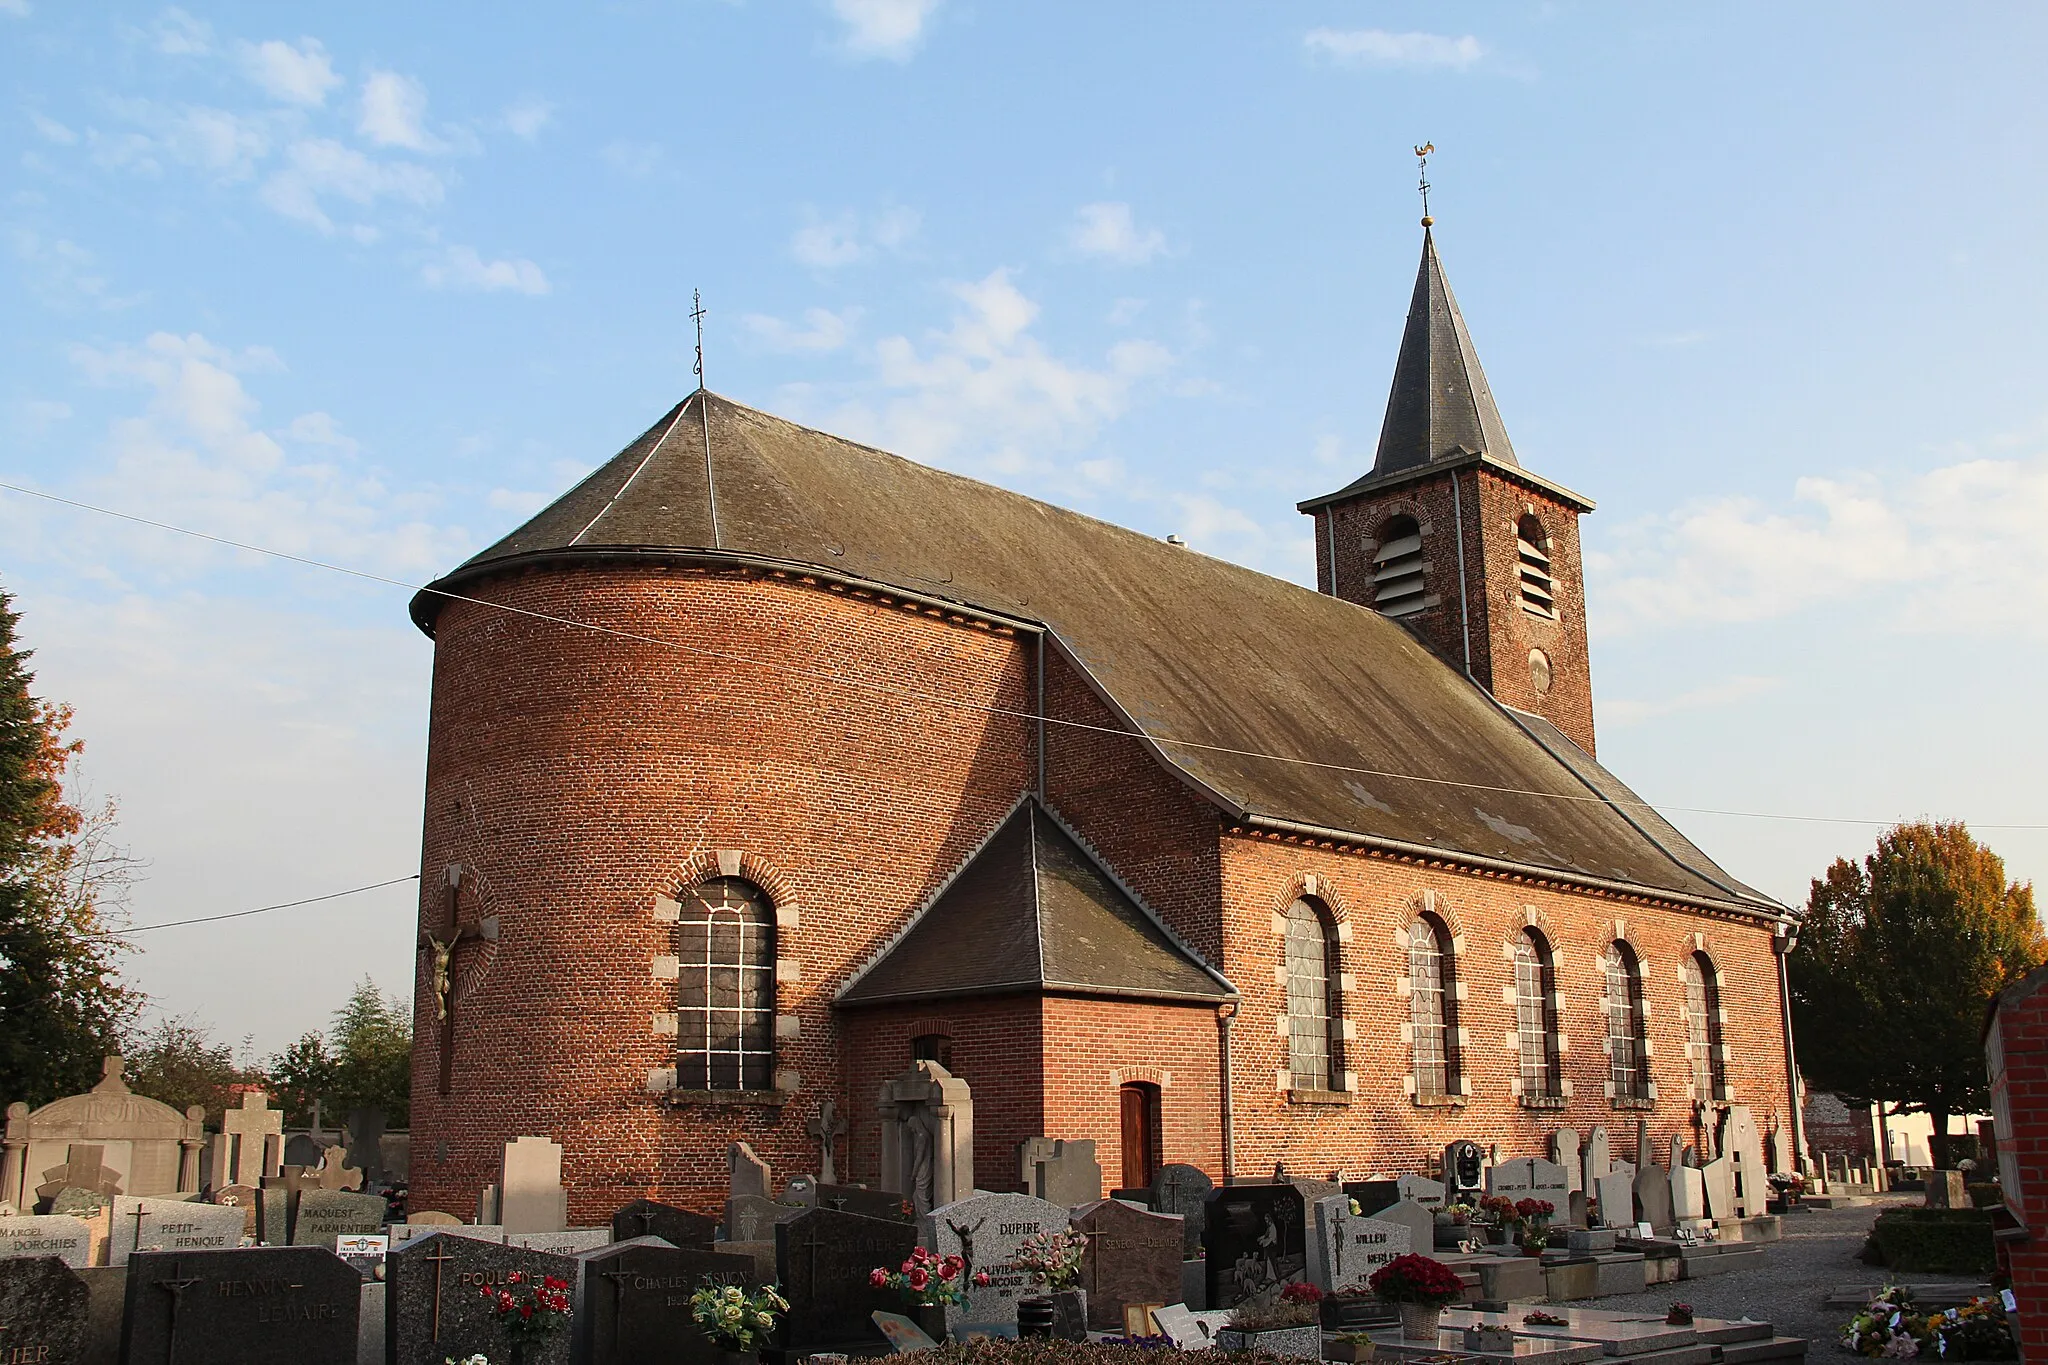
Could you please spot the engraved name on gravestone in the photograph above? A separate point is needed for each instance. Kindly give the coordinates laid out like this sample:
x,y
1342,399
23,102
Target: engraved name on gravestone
x,y
822,1260
677,1227
171,1225
985,1231
250,1306
567,1242
1132,1257
1254,1237
68,1239
327,1214
43,1312
1420,1222
1422,1190
435,1305
1184,1190
633,1302
1349,1247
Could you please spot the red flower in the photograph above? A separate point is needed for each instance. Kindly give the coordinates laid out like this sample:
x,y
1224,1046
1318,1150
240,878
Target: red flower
x,y
516,1277
553,1282
954,1265
1301,1291
981,1278
879,1278
1415,1278
1535,1208
910,1264
919,1278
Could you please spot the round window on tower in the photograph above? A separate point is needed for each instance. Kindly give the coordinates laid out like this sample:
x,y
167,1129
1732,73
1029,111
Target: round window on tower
x,y
1539,671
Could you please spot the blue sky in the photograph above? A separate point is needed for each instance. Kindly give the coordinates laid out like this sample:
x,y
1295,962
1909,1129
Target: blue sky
x,y
370,284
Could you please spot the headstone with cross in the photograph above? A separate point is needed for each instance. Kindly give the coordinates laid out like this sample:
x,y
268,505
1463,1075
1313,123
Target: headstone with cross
x,y
435,1306
251,1306
826,1125
245,1153
441,966
333,1173
83,1169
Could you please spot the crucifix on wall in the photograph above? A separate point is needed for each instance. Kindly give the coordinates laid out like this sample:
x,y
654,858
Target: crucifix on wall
x,y
441,966
826,1125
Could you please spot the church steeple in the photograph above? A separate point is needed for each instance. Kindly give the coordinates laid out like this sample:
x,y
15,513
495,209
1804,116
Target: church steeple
x,y
1440,406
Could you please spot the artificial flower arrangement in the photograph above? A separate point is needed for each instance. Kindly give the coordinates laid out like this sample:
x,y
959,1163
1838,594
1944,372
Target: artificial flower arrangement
x,y
1415,1278
1540,1318
1053,1257
928,1279
1532,1216
528,1308
1295,1305
1498,1208
737,1319
1892,1327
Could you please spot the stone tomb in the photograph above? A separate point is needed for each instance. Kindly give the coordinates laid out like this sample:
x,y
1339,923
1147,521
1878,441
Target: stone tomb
x,y
1255,1237
1132,1257
1717,1177
1531,1178
927,1136
985,1231
859,1199
1688,1195
822,1260
327,1214
1349,1247
633,1302
1653,1197
1060,1171
1420,1222
172,1225
752,1217
1616,1193
1184,1190
567,1242
43,1312
435,1305
677,1227
68,1239
140,1145
250,1306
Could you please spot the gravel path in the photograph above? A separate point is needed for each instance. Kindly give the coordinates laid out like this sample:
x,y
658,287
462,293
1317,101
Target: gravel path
x,y
1816,1257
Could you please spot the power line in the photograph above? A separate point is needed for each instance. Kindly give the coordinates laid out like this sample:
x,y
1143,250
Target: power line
x,y
265,909
935,699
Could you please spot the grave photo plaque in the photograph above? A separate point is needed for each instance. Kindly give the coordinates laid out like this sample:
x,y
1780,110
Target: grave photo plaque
x,y
633,1302
435,1304
1254,1238
248,1306
822,1260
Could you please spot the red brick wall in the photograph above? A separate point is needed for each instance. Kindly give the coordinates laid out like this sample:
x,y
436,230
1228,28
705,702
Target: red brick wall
x,y
2019,1093
1094,1046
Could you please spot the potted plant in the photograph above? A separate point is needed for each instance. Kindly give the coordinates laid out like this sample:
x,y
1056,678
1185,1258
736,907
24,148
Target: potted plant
x,y
928,1282
736,1320
1421,1286
1499,1212
1533,1217
1353,1347
1053,1258
529,1309
1282,1321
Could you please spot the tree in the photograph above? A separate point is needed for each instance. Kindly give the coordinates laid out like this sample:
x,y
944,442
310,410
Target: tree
x,y
367,1064
1898,961
179,1063
62,1003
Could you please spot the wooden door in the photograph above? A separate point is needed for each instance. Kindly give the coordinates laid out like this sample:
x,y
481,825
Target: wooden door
x,y
1140,1134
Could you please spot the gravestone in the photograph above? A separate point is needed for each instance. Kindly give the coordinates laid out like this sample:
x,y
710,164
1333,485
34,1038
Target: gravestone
x,y
1464,1168
822,1260
1350,1247
827,1126
301,1150
327,1214
1595,1159
1564,1150
677,1227
435,1305
1420,1222
985,1231
859,1199
79,1202
927,1136
243,1197
1422,1190
530,1193
1744,1146
1132,1257
752,1217
333,1172
1184,1190
1616,1194
633,1302
567,1242
1371,1195
274,1205
1512,1179
1312,1191
365,1129
1061,1171
251,1142
83,1183
1688,1195
251,1306
44,1308
1718,1178
60,1235
1254,1237
171,1225
140,1146
1653,1197
746,1173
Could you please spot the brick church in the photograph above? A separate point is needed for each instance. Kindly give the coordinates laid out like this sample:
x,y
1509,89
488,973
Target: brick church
x,y
763,763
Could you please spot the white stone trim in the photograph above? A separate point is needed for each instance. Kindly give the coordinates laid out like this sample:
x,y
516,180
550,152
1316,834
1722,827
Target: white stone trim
x,y
660,1079
787,916
663,1025
728,862
789,969
789,1026
666,909
665,966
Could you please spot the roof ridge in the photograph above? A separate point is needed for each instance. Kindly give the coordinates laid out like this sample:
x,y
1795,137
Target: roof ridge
x,y
645,460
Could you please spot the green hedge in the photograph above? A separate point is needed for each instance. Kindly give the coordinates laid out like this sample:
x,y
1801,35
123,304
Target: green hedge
x,y
1936,1241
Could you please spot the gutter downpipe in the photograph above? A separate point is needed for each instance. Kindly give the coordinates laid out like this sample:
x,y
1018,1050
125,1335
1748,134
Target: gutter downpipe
x,y
1784,938
1224,1013
1464,604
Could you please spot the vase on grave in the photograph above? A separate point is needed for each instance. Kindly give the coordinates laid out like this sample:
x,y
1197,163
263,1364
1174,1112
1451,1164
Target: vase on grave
x,y
1034,1317
931,1320
1419,1321
1070,1314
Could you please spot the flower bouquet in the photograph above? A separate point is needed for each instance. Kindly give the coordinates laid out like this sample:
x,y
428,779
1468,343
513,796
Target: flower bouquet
x,y
927,1279
1421,1286
528,1308
1533,1216
736,1319
1053,1257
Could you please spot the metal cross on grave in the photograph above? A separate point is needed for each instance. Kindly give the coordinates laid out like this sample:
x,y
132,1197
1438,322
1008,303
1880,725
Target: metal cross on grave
x,y
441,965
176,1288
826,1125
437,1260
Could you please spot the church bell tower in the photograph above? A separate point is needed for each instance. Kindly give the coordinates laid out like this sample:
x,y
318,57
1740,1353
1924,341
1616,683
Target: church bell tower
x,y
1452,537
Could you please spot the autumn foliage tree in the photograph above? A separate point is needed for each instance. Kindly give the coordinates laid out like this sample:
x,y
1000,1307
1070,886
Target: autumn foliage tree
x,y
62,1003
1896,965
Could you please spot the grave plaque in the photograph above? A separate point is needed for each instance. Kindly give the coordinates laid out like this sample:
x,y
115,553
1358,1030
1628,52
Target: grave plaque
x,y
1420,1222
1184,1190
1595,1160
1653,1197
435,1305
822,1260
68,1239
171,1225
530,1193
79,1202
633,1302
1132,1257
1688,1195
249,1306
1617,1195
1464,1168
746,1173
1254,1238
1060,1170
43,1310
327,1214
567,1242
1564,1150
869,1203
677,1227
1351,1247
1717,1178
243,1197
985,1231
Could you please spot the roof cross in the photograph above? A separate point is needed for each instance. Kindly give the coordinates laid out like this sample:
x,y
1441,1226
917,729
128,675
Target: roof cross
x,y
697,316
1422,155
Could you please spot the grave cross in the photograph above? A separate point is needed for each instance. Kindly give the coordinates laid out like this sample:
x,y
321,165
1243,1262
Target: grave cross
x,y
176,1289
440,1255
825,1126
442,964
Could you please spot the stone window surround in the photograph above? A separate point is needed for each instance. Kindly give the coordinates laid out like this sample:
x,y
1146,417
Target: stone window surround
x,y
1459,1042
1702,943
1617,932
1535,918
1314,887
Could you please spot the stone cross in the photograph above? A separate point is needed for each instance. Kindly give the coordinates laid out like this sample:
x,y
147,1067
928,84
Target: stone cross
x,y
825,1126
442,964
332,1174
244,1156
82,1169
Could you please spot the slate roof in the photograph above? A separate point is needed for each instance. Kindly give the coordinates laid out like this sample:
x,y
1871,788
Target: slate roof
x,y
1283,705
1032,910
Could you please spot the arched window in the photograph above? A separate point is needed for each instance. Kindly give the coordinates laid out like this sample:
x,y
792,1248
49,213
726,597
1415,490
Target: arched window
x,y
932,1047
1536,1015
1628,1064
1313,1054
725,987
1433,1008
1532,551
1397,569
1703,1029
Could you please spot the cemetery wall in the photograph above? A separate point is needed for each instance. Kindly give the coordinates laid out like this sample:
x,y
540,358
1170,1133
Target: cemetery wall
x,y
1373,898
579,775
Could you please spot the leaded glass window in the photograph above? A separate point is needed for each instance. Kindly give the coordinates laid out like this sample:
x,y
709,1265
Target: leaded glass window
x,y
1628,1067
1311,1033
1535,1015
725,987
1703,1028
1432,977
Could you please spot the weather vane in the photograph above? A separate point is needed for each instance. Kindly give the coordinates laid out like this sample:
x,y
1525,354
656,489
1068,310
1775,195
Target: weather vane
x,y
1422,155
697,314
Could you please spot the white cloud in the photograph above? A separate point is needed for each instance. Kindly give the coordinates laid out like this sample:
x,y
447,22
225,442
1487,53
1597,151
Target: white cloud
x,y
883,28
19,9
178,34
297,75
639,160
395,111
1959,547
320,168
846,237
823,330
460,267
1626,711
52,131
527,117
62,273
1379,47
1110,232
